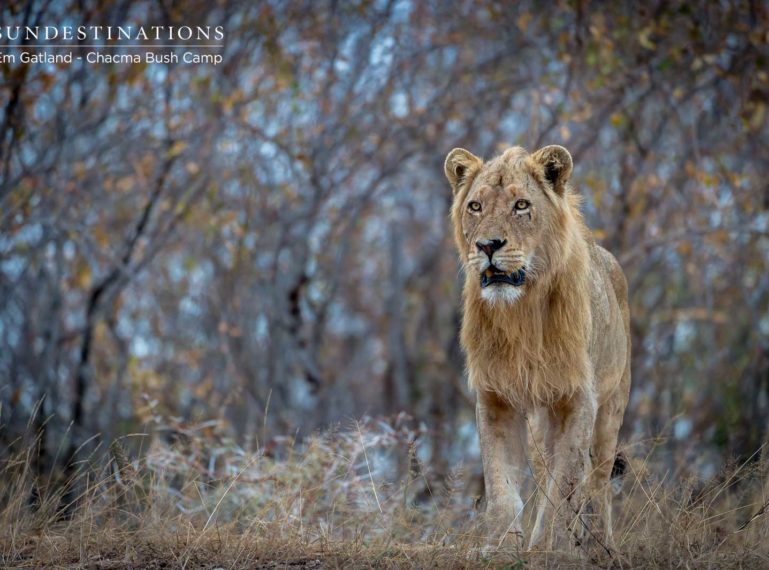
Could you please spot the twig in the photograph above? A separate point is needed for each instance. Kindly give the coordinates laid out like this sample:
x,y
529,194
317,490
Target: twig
x,y
370,476
758,514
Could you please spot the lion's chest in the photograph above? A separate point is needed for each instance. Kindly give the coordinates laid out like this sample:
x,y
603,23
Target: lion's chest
x,y
524,365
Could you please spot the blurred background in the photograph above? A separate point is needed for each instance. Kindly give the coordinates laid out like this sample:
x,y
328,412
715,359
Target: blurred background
x,y
262,248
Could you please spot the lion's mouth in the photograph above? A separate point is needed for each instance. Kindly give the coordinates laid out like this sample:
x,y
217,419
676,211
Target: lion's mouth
x,y
493,276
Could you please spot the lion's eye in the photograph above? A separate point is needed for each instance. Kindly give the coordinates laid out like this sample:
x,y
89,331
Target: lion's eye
x,y
522,205
474,206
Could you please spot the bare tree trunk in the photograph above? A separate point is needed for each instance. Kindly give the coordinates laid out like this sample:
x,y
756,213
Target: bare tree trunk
x,y
397,377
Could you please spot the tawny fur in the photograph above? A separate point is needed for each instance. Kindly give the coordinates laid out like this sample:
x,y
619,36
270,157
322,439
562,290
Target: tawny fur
x,y
558,348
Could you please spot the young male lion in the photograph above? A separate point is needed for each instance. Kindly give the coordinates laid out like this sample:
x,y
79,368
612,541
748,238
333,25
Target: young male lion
x,y
547,339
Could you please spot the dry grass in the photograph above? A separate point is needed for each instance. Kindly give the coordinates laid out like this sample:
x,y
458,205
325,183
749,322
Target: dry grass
x,y
337,500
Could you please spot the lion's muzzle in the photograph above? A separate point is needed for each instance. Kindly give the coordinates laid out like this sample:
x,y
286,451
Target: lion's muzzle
x,y
493,270
489,246
493,276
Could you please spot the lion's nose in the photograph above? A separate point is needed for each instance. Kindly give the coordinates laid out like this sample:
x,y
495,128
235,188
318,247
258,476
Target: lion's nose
x,y
489,246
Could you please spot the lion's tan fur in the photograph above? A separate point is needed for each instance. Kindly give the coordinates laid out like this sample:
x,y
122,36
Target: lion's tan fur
x,y
560,349
534,351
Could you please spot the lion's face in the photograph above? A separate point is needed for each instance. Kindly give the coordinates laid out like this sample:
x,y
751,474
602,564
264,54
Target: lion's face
x,y
501,223
502,211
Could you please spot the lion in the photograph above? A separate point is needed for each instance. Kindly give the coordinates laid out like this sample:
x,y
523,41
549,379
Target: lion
x,y
546,336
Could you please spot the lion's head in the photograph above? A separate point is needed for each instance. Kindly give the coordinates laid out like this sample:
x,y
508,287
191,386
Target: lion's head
x,y
508,214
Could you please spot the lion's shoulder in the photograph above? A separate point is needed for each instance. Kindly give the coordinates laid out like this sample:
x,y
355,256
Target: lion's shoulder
x,y
609,271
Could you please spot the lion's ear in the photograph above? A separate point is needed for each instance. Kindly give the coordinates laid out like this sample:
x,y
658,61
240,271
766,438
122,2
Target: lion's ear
x,y
557,165
459,166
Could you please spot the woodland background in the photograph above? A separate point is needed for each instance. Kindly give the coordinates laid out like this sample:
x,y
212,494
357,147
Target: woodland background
x,y
261,248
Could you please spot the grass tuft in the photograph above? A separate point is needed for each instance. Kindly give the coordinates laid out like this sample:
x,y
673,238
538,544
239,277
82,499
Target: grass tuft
x,y
347,498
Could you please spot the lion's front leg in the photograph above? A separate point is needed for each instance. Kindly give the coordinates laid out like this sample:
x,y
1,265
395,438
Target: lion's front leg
x,y
502,434
569,434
